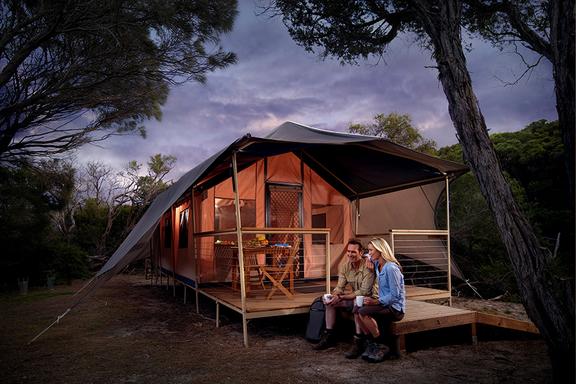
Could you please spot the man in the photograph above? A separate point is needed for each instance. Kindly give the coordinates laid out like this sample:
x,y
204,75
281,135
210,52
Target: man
x,y
355,273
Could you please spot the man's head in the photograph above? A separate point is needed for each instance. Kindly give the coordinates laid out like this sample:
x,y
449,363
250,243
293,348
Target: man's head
x,y
354,250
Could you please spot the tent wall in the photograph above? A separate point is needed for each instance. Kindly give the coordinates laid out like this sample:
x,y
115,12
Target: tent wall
x,y
412,208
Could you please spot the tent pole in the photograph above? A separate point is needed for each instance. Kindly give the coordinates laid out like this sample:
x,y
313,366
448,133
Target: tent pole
x,y
357,217
174,250
240,246
448,239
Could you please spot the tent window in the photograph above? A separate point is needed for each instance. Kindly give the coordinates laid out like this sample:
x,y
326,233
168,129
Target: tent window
x,y
167,233
225,213
183,233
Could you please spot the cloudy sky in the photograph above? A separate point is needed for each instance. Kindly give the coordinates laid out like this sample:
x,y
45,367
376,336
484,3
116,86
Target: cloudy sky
x,y
275,80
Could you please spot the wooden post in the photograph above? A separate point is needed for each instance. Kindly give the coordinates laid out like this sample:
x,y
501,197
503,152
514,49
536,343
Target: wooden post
x,y
240,247
184,293
473,333
448,240
400,344
217,314
357,216
197,296
328,263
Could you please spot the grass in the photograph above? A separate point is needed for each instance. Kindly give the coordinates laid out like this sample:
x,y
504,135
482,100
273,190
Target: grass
x,y
32,296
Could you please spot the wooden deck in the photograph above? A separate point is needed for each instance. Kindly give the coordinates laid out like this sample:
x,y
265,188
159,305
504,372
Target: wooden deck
x,y
420,315
258,306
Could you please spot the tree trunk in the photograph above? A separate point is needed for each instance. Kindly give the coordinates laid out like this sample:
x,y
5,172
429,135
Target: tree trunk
x,y
562,47
548,303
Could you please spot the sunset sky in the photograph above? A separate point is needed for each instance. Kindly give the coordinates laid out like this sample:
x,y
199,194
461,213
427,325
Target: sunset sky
x,y
275,80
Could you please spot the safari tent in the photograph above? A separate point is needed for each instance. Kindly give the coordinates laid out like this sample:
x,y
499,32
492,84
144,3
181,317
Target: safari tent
x,y
260,226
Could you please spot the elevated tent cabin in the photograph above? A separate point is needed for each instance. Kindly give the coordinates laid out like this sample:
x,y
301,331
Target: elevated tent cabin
x,y
260,227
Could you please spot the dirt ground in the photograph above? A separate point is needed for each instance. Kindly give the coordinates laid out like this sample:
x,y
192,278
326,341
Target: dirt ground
x,y
130,332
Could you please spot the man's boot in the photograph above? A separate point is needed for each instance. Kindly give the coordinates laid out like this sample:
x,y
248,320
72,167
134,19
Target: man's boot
x,y
359,345
327,341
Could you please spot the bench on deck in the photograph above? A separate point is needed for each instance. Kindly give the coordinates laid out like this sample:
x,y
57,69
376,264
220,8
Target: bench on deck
x,y
422,316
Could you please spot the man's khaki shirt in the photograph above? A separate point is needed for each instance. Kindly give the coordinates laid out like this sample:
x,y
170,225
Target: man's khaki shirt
x,y
361,279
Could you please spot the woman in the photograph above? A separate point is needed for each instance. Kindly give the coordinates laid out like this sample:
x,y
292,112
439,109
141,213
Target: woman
x,y
390,304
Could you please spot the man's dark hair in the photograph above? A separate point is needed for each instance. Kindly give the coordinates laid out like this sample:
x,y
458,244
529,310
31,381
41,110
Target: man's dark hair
x,y
355,242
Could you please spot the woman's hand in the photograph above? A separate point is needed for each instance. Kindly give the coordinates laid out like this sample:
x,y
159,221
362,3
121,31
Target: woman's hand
x,y
369,264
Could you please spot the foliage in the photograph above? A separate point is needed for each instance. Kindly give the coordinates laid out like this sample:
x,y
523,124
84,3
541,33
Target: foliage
x,y
532,160
398,129
503,23
29,194
69,261
77,71
112,202
54,217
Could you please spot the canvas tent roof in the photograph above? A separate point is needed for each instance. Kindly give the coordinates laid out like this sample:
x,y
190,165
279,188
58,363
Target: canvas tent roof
x,y
358,166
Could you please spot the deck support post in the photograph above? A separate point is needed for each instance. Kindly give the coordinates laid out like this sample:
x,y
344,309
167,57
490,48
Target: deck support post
x,y
473,333
197,304
400,344
217,314
245,329
184,294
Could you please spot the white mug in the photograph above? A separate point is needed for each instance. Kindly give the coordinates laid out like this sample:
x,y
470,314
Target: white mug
x,y
359,301
327,298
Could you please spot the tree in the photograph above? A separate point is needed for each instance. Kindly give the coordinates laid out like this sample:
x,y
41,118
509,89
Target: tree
x,y
30,195
78,71
547,28
112,202
350,30
398,129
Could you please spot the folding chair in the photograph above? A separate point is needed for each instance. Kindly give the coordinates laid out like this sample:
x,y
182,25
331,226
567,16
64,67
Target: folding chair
x,y
279,272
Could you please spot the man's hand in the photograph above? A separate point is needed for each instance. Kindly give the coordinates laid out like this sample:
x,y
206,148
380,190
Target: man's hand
x,y
335,300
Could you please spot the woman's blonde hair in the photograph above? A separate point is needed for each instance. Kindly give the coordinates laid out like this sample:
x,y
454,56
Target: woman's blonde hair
x,y
382,246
